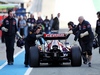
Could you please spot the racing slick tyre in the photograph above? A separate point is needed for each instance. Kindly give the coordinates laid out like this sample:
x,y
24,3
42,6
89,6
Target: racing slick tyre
x,y
76,59
34,57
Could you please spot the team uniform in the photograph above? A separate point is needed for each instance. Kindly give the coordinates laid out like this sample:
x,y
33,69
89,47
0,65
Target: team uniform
x,y
30,41
10,24
98,31
31,21
86,42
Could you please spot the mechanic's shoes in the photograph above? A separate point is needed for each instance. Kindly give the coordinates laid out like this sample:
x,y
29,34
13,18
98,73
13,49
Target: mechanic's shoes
x,y
85,62
26,65
89,64
10,63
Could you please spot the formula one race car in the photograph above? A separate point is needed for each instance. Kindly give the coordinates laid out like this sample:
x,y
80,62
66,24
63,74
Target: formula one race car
x,y
55,52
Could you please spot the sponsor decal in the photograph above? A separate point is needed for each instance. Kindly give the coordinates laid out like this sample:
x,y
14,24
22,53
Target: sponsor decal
x,y
79,27
84,27
7,21
14,22
54,35
88,26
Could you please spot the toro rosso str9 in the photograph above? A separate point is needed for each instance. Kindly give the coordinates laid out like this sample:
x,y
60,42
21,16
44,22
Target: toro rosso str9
x,y
55,52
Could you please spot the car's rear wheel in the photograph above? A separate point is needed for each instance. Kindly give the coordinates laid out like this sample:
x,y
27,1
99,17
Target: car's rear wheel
x,y
76,59
34,57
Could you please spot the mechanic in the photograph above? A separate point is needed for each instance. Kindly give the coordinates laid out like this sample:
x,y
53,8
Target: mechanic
x,y
71,26
30,41
85,39
10,29
97,30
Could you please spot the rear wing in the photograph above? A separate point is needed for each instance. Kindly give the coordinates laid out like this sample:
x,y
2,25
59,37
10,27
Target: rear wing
x,y
61,36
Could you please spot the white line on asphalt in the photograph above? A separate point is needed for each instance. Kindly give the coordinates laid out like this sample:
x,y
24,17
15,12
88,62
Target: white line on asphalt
x,y
28,71
14,57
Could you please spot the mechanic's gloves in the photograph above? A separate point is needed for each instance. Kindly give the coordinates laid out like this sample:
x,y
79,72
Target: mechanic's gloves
x,y
74,43
39,35
84,34
4,29
19,34
69,32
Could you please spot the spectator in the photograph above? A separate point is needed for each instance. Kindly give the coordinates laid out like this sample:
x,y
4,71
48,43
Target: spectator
x,y
26,27
22,24
46,24
31,21
55,25
51,21
39,20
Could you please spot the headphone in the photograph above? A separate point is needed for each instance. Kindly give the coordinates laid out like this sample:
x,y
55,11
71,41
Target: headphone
x,y
35,28
98,13
71,23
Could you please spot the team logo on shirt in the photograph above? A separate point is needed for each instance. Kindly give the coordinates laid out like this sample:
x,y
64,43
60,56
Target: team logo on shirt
x,y
84,27
79,27
88,26
14,22
32,20
7,22
98,23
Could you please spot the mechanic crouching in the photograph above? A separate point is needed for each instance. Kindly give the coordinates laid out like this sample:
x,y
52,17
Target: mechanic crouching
x,y
85,39
30,41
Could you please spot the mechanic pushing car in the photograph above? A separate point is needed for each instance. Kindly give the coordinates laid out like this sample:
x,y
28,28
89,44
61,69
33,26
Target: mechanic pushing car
x,y
30,41
71,26
85,39
97,30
